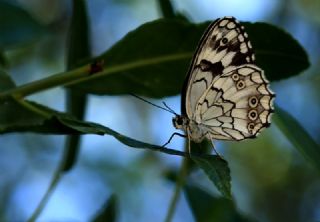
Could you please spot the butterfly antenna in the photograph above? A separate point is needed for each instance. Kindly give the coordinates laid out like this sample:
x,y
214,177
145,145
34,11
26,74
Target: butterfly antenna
x,y
168,109
171,110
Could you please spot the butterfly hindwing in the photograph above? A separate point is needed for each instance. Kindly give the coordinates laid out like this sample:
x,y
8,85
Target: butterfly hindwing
x,y
237,105
223,47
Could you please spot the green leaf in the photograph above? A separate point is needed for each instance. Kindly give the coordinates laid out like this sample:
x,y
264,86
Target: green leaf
x,y
17,26
141,145
298,136
166,8
156,65
277,52
32,117
3,60
205,207
6,82
108,212
79,35
21,115
217,170
78,51
145,63
25,116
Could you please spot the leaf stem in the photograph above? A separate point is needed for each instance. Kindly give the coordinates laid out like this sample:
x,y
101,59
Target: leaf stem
x,y
82,74
179,185
34,109
43,202
46,83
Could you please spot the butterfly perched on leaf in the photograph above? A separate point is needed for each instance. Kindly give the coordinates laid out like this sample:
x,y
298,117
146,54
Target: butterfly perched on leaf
x,y
226,95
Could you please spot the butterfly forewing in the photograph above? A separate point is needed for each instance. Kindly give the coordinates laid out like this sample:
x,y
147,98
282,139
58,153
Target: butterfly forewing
x,y
223,47
226,94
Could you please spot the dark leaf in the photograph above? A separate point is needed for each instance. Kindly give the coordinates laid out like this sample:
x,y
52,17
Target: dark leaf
x,y
18,115
145,63
141,145
3,60
205,207
156,65
78,51
298,136
17,26
217,170
109,211
166,8
6,82
33,117
22,116
277,52
78,36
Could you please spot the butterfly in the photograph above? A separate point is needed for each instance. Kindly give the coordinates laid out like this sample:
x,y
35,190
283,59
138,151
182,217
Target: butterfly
x,y
225,95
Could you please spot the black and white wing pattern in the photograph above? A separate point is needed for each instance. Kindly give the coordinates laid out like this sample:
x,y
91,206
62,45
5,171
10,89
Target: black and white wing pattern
x,y
226,96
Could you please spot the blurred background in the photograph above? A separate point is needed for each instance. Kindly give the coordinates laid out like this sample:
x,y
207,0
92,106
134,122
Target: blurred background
x,y
271,181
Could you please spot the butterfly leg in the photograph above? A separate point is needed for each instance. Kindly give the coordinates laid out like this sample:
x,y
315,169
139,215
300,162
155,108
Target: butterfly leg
x,y
189,145
174,134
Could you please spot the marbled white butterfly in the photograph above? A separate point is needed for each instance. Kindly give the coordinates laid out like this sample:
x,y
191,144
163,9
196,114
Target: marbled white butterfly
x,y
225,95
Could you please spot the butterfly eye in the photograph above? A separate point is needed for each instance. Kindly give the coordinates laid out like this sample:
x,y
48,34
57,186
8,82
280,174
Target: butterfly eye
x,y
179,121
224,41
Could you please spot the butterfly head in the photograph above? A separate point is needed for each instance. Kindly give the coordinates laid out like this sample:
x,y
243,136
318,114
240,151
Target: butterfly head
x,y
180,122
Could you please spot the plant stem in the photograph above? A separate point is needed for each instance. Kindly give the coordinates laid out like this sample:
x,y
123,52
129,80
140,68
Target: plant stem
x,y
179,185
82,74
54,182
46,83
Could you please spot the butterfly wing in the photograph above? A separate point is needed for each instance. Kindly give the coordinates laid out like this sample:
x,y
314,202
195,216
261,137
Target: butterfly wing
x,y
237,105
223,47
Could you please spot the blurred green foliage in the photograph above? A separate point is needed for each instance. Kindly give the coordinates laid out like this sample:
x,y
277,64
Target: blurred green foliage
x,y
17,26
